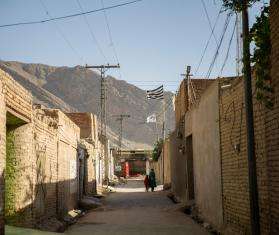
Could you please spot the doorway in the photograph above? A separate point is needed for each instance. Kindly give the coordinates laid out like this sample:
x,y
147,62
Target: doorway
x,y
190,168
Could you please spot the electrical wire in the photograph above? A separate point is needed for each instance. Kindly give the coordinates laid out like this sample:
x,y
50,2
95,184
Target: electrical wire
x,y
229,48
110,36
209,21
227,21
58,29
68,16
93,37
207,43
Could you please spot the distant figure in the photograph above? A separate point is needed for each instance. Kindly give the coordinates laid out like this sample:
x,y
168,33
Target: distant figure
x,y
152,180
146,183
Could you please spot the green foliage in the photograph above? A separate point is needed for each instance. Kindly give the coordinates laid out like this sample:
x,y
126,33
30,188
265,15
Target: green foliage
x,y
236,5
260,36
10,175
158,146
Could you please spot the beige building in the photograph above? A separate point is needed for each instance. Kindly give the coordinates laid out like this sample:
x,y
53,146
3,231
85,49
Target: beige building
x,y
49,161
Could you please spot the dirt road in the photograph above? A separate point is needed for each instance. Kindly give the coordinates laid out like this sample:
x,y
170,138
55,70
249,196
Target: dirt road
x,y
132,211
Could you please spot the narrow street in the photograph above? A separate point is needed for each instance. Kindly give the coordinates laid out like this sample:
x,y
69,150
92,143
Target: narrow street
x,y
133,211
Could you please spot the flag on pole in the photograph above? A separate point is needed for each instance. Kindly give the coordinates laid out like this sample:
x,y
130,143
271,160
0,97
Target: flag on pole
x,y
157,93
151,118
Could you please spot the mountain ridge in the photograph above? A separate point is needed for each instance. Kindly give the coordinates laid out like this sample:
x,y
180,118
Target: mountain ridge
x,y
74,89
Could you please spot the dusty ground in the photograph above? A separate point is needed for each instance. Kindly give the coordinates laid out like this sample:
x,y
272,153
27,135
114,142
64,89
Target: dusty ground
x,y
133,211
130,210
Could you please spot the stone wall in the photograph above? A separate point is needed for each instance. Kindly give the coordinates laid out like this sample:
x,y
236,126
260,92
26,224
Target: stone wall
x,y
272,123
2,156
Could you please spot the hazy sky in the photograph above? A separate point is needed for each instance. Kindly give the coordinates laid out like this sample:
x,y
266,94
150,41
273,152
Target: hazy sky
x,y
154,39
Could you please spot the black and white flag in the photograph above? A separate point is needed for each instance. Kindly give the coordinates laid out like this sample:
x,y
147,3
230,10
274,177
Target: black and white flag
x,y
157,93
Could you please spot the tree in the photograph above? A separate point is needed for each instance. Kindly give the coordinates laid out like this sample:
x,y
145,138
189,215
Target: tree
x,y
260,36
236,5
157,150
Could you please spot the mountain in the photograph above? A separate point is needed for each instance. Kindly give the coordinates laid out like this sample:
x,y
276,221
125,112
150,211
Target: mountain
x,y
78,89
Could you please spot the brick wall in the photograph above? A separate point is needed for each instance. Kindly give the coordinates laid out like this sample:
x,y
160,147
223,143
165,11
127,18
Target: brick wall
x,y
2,156
234,160
68,137
272,123
90,185
45,147
87,123
18,100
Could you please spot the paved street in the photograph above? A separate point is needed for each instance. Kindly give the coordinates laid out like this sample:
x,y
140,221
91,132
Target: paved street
x,y
132,211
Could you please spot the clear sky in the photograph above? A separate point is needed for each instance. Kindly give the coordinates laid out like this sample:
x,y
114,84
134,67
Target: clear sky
x,y
154,39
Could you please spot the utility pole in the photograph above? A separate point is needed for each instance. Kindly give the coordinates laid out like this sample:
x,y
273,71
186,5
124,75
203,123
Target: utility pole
x,y
187,77
120,118
103,98
252,169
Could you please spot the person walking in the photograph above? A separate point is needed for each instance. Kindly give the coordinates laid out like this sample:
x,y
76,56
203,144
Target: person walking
x,y
146,183
152,180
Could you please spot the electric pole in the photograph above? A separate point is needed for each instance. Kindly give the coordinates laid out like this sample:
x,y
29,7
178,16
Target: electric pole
x,y
103,98
252,169
120,118
187,77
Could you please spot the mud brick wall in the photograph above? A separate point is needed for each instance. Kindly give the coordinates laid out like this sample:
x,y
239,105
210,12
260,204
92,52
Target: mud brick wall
x,y
90,186
68,137
2,156
178,168
19,175
18,100
202,149
272,123
167,167
87,123
181,102
182,99
234,160
46,167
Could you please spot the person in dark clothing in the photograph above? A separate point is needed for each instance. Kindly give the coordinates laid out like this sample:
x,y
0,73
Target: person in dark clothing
x,y
152,180
146,183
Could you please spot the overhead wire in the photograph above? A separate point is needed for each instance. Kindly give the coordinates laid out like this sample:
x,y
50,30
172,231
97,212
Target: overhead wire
x,y
209,21
227,21
92,34
68,16
59,30
229,48
110,36
207,43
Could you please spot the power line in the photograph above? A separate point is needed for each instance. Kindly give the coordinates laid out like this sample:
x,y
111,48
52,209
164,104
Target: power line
x,y
93,37
68,16
229,48
209,21
208,41
227,21
110,36
61,33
